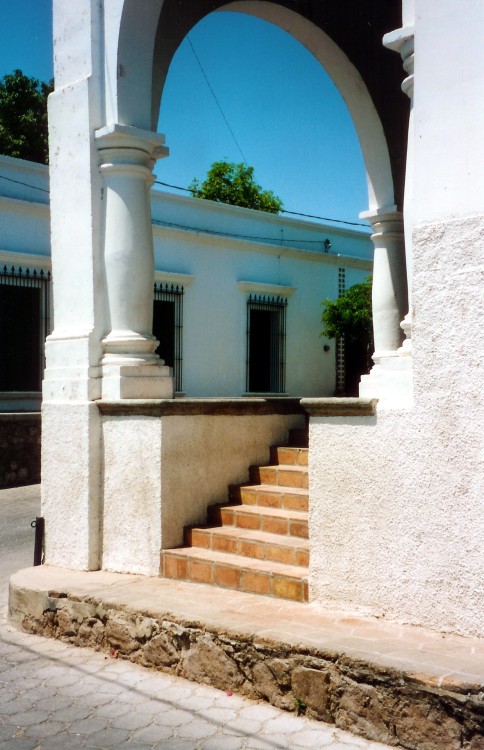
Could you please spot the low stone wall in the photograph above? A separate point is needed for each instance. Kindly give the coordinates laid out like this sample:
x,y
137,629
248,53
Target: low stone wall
x,y
19,449
379,703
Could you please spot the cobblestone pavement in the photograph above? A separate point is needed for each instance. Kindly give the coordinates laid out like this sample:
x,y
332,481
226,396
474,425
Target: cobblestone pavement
x,y
57,697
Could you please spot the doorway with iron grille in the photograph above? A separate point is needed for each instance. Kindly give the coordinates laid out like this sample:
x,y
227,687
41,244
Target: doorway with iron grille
x,y
266,344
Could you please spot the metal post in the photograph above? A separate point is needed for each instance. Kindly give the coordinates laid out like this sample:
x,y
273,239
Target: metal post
x,y
38,525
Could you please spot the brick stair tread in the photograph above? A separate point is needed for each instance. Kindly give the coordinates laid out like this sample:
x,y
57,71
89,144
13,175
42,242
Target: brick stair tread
x,y
265,510
290,456
276,489
237,561
286,467
264,537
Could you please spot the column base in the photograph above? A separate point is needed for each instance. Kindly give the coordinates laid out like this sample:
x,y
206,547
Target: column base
x,y
137,381
390,381
406,326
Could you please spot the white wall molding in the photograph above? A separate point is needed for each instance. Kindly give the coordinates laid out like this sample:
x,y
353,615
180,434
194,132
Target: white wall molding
x,y
25,260
258,287
167,277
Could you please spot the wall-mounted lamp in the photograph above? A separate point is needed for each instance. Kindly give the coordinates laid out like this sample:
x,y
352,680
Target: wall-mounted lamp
x,y
327,245
326,347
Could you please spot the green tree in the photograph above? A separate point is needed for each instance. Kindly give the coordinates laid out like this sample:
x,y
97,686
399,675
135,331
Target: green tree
x,y
23,117
350,318
234,183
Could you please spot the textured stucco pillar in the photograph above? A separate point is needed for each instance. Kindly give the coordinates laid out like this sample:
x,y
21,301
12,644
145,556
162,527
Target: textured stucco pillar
x,y
130,367
71,498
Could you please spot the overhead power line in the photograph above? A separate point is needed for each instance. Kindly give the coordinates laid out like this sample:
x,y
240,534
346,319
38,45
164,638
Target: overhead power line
x,y
25,184
216,100
188,190
283,210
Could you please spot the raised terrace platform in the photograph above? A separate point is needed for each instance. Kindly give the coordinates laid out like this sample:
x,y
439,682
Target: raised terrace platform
x,y
404,686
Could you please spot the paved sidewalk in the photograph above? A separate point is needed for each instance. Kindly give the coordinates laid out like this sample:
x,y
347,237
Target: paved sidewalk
x,y
54,696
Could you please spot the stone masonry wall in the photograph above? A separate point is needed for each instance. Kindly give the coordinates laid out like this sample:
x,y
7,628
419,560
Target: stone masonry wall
x,y
19,449
375,702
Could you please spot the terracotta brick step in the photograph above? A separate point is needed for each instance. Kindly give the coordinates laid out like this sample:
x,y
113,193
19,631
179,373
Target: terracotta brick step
x,y
283,475
289,456
235,572
273,520
248,543
272,496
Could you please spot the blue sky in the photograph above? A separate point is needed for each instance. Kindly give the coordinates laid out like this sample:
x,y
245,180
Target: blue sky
x,y
288,118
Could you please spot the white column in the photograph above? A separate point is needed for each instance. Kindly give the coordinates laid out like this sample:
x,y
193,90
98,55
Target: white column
x,y
402,41
389,296
390,379
130,367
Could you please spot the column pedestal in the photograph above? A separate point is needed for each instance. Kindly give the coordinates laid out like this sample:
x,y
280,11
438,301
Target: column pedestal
x,y
132,381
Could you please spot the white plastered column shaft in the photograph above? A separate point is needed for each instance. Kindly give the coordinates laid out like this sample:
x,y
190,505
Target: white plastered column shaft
x,y
130,367
402,41
389,296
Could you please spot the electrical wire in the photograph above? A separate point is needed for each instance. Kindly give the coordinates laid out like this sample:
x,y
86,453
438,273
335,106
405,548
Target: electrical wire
x,y
234,235
215,98
188,190
17,182
283,210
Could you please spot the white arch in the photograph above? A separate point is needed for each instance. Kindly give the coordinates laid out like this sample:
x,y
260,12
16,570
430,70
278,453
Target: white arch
x,y
141,67
134,85
350,85
130,35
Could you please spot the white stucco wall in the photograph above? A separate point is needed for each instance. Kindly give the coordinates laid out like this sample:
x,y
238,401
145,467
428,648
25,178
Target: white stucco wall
x,y
396,518
230,252
396,507
220,254
449,109
24,207
71,466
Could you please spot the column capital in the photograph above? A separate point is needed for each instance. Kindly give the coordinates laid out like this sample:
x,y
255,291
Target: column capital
x,y
402,41
116,136
384,221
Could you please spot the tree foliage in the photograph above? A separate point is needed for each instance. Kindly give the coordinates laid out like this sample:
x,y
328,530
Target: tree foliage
x,y
349,318
23,117
350,315
231,183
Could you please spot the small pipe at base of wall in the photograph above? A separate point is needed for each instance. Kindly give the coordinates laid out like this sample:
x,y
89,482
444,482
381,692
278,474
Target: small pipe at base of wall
x,y
38,525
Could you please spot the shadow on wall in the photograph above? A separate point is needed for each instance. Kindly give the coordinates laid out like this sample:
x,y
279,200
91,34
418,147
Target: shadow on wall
x,y
19,449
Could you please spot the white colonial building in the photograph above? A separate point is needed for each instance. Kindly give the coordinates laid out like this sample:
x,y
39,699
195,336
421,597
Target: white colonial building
x,y
236,301
395,478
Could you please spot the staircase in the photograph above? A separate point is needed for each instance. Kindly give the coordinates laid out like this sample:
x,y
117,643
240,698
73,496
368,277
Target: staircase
x,y
258,541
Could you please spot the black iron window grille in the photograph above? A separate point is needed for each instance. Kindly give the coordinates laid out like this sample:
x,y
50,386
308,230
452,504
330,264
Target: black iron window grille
x,y
168,327
25,322
340,343
266,344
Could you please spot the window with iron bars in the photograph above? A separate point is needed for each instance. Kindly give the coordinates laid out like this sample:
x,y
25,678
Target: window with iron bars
x,y
266,344
340,343
168,327
24,325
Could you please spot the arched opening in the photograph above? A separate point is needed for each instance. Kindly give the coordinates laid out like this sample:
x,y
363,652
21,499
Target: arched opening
x,y
143,59
241,89
351,51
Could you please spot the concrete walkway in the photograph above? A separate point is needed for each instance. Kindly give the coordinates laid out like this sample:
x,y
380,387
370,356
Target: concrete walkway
x,y
54,696
402,685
